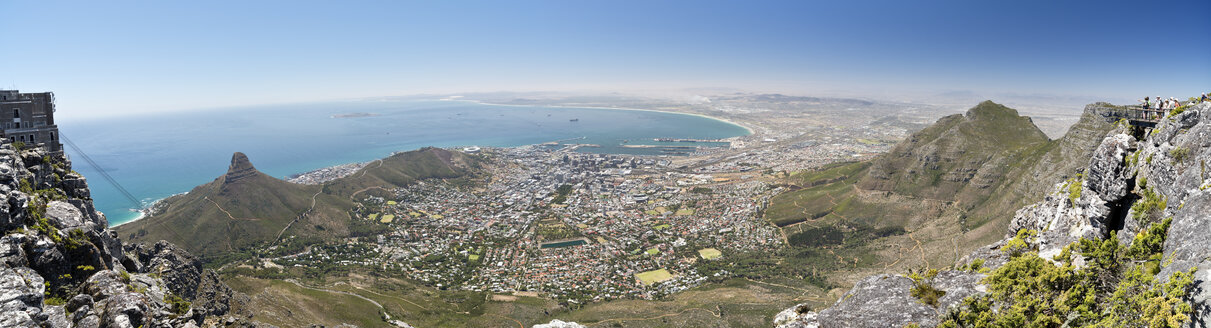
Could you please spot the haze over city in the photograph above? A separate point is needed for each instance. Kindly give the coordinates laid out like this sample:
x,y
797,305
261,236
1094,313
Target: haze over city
x,y
114,59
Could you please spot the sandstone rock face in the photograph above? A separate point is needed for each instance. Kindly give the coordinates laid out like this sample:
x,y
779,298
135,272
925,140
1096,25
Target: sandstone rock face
x,y
56,248
240,168
1172,159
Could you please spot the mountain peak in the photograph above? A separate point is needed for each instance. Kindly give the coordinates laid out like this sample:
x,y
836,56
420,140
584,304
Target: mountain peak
x,y
990,110
241,168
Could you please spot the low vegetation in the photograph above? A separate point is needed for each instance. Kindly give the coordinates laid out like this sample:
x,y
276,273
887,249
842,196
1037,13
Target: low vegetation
x,y
1180,154
1116,288
1148,208
923,288
1074,188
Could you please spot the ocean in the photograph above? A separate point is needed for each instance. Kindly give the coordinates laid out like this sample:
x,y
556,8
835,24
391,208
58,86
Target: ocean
x,y
159,155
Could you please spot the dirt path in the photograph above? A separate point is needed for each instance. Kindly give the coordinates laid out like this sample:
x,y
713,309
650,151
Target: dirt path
x,y
232,217
351,197
386,317
395,297
297,218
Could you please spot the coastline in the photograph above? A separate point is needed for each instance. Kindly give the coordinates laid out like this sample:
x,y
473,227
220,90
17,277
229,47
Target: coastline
x,y
724,120
323,174
142,214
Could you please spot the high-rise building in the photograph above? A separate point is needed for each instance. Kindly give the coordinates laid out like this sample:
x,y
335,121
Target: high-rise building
x,y
29,118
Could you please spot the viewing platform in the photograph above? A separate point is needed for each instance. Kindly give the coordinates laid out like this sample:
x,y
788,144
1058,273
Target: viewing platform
x,y
1135,115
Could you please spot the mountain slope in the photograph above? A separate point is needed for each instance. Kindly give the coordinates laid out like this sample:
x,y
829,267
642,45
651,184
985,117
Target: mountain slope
x,y
245,207
241,208
959,157
933,198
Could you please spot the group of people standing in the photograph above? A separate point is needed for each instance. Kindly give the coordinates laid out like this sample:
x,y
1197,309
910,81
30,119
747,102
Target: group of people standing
x,y
1162,104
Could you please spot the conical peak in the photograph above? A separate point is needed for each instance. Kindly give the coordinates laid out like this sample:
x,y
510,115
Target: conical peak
x,y
240,168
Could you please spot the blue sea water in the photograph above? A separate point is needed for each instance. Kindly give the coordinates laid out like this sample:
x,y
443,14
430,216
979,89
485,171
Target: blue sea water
x,y
160,155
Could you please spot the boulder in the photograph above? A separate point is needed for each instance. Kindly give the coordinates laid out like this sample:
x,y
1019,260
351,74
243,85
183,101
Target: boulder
x,y
12,251
105,284
54,316
127,310
21,292
64,215
79,301
1059,221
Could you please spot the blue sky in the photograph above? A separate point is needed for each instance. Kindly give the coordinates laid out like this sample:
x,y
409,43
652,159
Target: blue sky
x,y
109,58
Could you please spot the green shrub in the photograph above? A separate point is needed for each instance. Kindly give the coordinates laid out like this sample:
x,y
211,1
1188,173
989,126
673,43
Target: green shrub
x,y
1147,209
1019,244
924,291
1074,188
176,304
54,301
1178,110
1180,154
75,239
976,266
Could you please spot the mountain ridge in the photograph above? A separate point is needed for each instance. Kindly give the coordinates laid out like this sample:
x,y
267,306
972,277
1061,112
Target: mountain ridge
x,y
947,188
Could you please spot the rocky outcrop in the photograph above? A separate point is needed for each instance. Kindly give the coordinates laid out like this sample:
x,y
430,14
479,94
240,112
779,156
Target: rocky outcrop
x,y
241,168
886,301
556,323
184,275
1169,163
60,265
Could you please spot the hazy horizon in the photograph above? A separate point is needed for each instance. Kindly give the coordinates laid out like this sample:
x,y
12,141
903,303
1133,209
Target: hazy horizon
x,y
116,59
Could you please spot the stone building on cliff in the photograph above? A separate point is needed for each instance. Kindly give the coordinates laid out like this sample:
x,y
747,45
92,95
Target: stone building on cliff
x,y
29,118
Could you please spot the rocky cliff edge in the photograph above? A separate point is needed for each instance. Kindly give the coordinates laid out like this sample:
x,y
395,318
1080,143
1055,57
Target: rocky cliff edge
x,y
60,265
1136,177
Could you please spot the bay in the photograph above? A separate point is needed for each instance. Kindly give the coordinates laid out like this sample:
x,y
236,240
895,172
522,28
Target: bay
x,y
156,156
